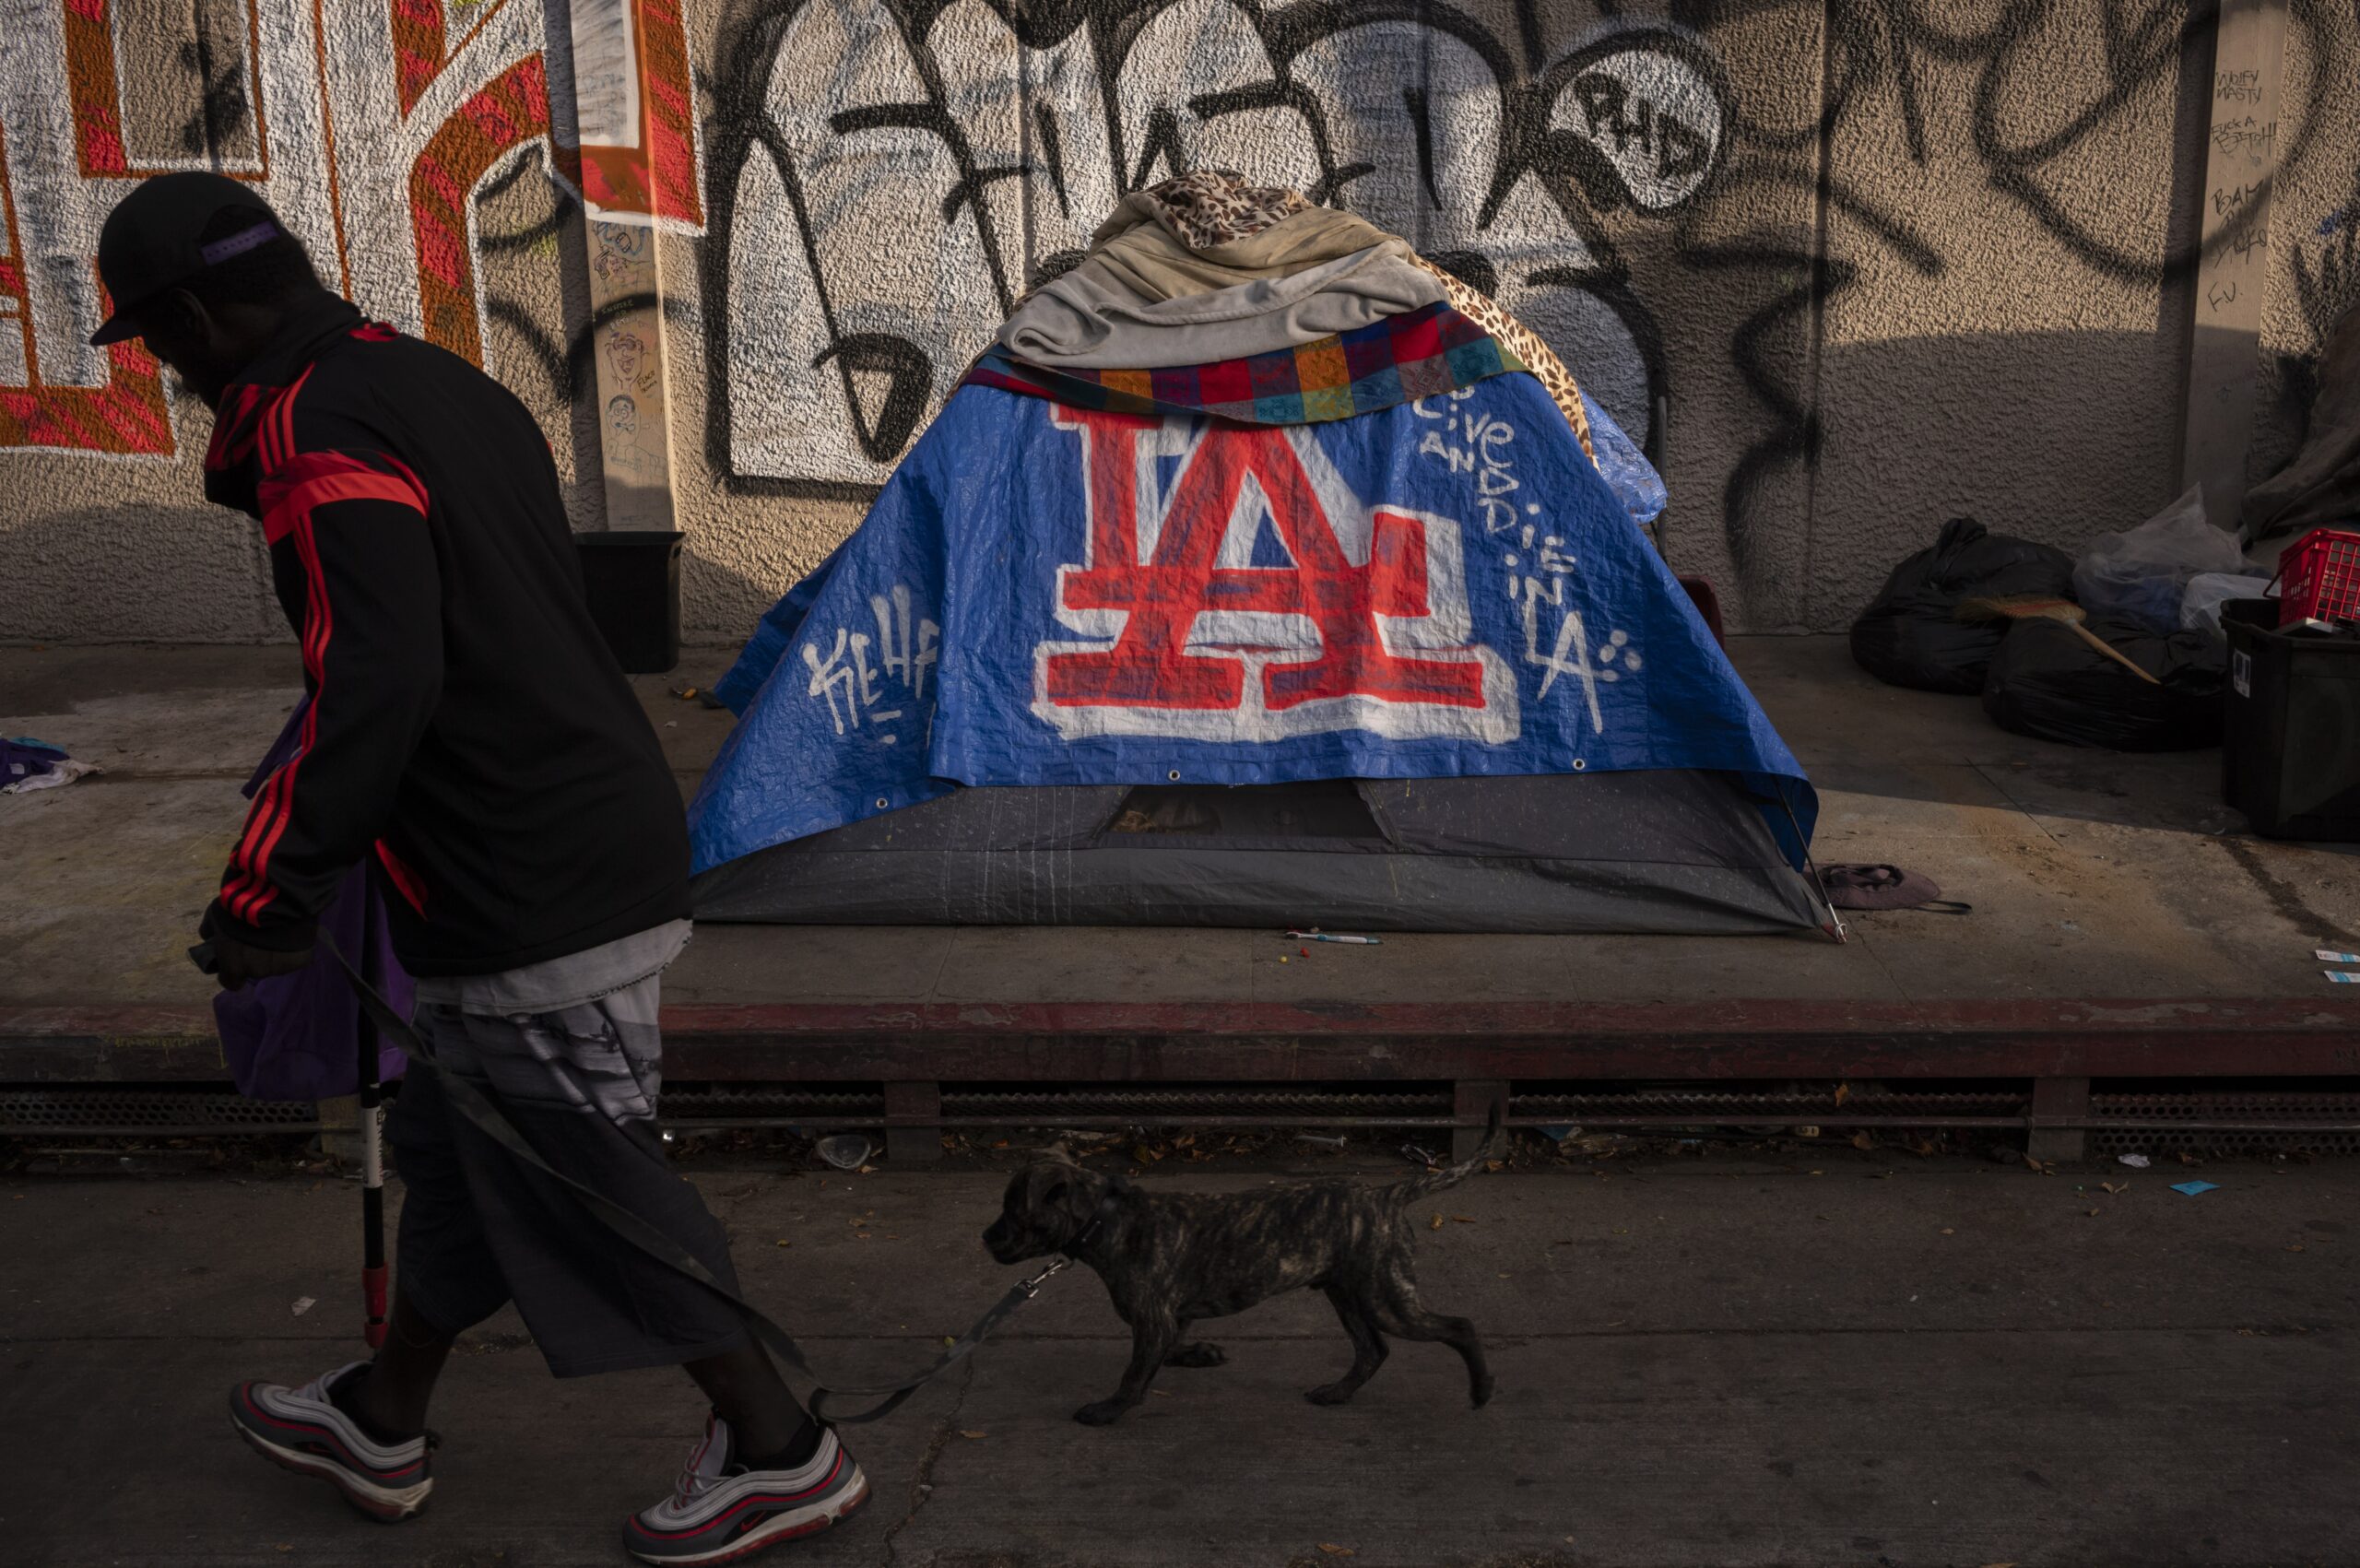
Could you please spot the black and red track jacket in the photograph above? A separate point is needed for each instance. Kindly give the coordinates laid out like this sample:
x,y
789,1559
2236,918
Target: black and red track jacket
x,y
468,725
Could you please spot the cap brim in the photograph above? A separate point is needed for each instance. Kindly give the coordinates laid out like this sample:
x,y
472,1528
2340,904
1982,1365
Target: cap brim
x,y
115,329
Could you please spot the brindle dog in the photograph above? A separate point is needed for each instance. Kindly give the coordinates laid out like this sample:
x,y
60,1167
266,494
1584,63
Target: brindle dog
x,y
1171,1259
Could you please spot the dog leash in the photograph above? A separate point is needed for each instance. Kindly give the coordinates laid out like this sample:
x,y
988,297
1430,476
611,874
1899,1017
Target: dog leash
x,y
484,1114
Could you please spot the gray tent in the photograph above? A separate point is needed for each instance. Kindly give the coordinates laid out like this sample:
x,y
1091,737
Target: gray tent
x,y
1679,851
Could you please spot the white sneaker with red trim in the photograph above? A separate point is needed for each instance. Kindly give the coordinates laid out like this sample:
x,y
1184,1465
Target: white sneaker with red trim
x,y
302,1429
721,1511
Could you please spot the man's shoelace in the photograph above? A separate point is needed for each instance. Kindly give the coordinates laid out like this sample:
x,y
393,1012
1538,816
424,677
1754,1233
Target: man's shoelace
x,y
694,1483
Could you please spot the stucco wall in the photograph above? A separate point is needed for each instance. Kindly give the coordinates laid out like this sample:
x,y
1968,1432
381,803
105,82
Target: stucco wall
x,y
1890,261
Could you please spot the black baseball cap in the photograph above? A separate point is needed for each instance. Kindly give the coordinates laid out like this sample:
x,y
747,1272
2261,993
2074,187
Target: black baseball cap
x,y
151,240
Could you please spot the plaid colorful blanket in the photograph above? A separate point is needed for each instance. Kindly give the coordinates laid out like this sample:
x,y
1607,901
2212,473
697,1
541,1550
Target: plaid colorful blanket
x,y
1419,353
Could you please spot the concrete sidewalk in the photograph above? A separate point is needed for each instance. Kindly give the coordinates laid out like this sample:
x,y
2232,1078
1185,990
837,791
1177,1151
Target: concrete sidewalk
x,y
1853,1359
2092,873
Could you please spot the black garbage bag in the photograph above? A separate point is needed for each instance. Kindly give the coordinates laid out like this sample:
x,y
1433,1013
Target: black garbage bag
x,y
1907,637
2047,681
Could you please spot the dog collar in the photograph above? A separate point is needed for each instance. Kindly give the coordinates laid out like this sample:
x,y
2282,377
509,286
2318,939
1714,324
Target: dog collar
x,y
1105,1207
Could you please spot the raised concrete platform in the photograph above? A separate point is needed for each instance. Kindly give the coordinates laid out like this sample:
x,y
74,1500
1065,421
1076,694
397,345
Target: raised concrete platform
x,y
2124,924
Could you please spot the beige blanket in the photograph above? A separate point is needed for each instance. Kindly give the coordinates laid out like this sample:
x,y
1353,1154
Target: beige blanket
x,y
1209,233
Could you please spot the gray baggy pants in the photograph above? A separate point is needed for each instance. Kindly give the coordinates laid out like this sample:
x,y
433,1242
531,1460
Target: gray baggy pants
x,y
478,1229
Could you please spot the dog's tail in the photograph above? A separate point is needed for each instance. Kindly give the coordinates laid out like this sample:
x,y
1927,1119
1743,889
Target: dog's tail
x,y
1446,1176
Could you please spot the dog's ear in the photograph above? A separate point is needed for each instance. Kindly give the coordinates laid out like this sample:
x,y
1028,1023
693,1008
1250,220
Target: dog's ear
x,y
1057,1154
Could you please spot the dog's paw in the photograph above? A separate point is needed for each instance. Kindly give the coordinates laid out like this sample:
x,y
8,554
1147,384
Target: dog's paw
x,y
1103,1413
1202,1353
1480,1394
1332,1393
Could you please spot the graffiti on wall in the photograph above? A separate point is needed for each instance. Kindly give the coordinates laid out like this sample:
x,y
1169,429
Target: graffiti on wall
x,y
878,180
372,126
887,175
2035,100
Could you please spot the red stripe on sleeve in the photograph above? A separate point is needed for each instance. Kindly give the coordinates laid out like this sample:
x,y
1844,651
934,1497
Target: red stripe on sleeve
x,y
317,478
249,902
284,505
406,882
294,491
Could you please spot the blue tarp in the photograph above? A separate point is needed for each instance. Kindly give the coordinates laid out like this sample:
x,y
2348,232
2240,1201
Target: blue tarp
x,y
1047,595
1628,473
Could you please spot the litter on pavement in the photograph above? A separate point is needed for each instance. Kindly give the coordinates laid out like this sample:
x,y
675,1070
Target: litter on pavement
x,y
2196,1189
845,1152
27,765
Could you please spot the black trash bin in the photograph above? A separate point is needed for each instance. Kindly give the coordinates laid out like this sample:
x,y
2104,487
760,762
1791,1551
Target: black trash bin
x,y
634,582
2290,753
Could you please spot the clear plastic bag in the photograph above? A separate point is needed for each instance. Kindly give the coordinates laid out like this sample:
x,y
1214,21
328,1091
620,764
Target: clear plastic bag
x,y
2141,575
2199,605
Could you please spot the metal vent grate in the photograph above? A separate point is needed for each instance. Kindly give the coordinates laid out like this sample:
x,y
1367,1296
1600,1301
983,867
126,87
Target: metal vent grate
x,y
97,1110
1212,1105
719,1106
1758,1105
2248,1109
2245,1119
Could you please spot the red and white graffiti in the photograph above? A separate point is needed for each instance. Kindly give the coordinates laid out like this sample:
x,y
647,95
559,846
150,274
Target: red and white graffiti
x,y
1251,595
359,119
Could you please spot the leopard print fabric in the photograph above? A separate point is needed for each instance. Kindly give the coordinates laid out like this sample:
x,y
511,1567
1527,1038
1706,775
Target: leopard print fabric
x,y
1526,345
1211,206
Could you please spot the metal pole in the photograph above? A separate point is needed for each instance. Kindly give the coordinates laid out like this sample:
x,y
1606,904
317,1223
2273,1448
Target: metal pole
x,y
372,1165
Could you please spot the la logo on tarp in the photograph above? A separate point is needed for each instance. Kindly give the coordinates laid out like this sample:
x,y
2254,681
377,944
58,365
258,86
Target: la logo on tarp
x,y
1236,589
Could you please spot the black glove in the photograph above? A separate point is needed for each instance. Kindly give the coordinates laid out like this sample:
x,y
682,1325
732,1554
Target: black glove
x,y
236,962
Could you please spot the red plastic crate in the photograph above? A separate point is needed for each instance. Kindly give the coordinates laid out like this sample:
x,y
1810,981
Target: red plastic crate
x,y
2321,576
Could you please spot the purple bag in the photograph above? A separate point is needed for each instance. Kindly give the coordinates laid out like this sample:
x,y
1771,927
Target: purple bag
x,y
298,1036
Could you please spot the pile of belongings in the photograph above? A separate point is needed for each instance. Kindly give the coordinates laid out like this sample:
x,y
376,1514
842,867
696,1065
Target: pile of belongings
x,y
2122,647
1261,572
2321,489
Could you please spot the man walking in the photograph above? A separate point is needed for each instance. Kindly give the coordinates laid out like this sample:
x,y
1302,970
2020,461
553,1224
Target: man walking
x,y
470,732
